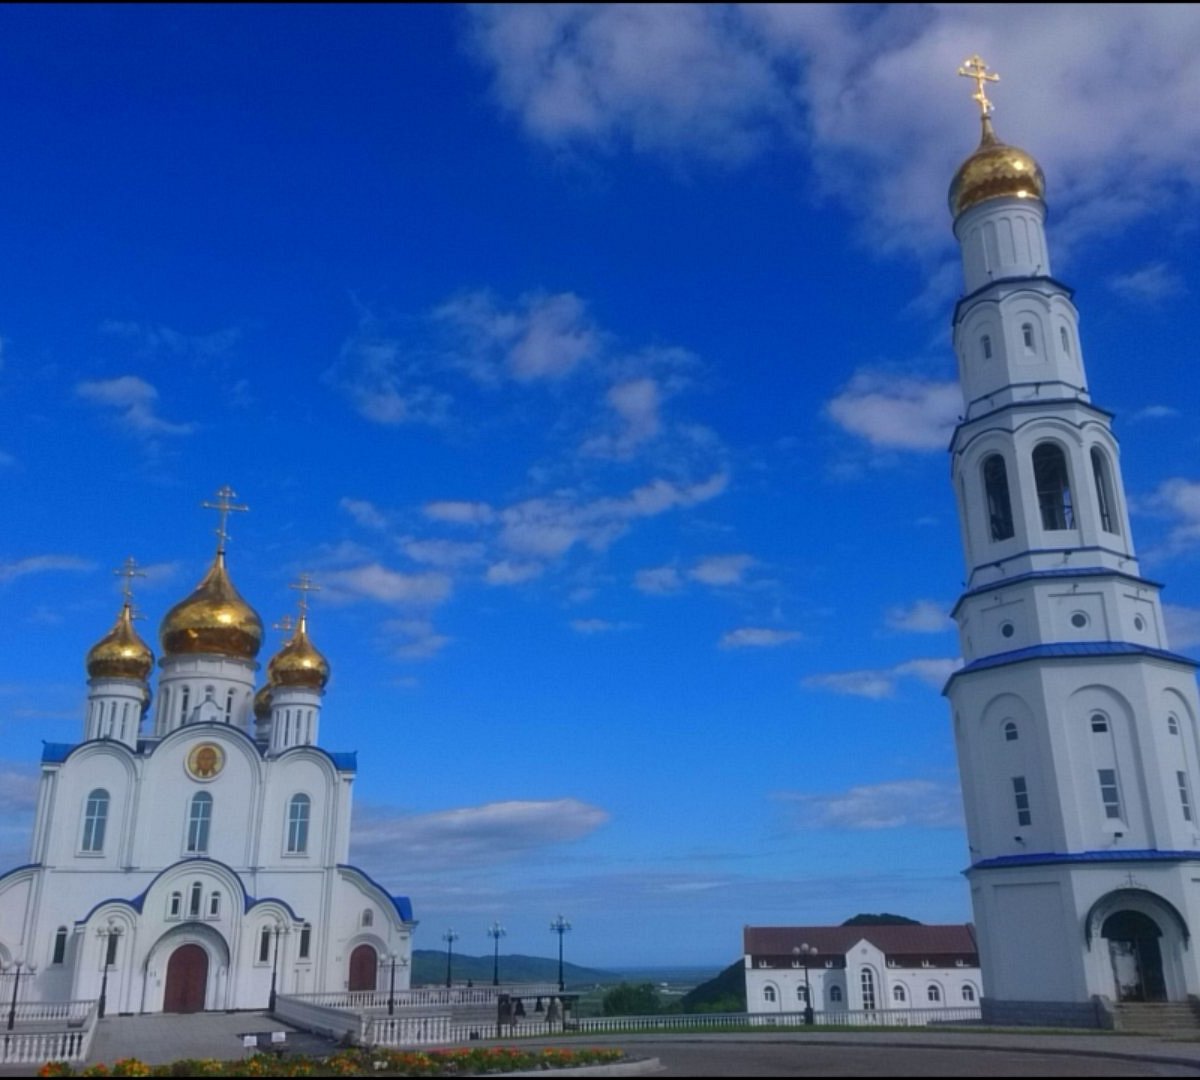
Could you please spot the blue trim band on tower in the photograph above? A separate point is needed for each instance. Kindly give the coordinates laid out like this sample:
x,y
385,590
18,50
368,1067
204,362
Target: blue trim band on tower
x,y
402,904
1050,858
1009,281
1035,575
1069,650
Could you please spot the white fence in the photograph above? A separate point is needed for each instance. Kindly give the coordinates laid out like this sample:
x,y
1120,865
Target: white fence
x,y
38,1012
427,997
37,1046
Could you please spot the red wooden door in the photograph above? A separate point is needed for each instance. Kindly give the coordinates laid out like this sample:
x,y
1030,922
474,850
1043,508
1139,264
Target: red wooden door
x,y
363,968
187,979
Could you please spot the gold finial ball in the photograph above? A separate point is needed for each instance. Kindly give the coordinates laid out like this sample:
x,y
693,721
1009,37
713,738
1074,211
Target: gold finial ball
x,y
299,663
213,619
996,170
121,653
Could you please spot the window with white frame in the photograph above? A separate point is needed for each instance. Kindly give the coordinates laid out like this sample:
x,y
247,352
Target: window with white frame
x,y
899,996
1021,797
199,823
1110,794
934,994
835,994
867,981
1185,795
299,808
95,820
769,994
968,993
60,946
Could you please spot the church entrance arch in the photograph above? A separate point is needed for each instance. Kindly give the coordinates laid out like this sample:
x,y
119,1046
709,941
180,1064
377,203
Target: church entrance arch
x,y
187,980
1136,953
364,968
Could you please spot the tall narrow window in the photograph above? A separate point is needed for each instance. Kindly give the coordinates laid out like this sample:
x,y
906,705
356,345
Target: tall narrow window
x,y
1027,336
1021,796
1053,487
986,342
368,917
298,812
995,483
199,822
175,905
1065,339
229,706
194,900
305,941
264,945
214,906
95,820
768,994
1185,795
1110,795
183,704
1104,492
111,956
60,946
868,990
1172,724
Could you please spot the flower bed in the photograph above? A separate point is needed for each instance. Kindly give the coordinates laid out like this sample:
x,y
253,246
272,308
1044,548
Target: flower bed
x,y
378,1062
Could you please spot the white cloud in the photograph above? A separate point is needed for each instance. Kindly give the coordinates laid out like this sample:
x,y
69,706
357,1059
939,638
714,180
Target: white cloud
x,y
919,617
721,571
897,412
133,399
459,512
598,626
1155,412
446,554
883,682
1179,501
892,805
385,380
18,788
417,639
757,637
1183,625
1149,284
151,339
869,93
636,404
366,513
488,834
376,582
658,580
43,564
509,572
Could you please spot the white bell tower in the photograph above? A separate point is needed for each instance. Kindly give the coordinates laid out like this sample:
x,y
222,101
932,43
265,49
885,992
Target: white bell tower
x,y
1076,727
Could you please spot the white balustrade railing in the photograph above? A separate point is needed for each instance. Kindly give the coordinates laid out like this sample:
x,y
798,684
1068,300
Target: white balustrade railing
x,y
35,1047
37,1012
426,997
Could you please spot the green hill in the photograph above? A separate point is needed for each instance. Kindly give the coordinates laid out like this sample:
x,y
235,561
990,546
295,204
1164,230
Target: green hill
x,y
429,969
724,993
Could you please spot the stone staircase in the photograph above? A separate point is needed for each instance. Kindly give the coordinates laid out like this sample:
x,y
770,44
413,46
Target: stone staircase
x,y
1167,1019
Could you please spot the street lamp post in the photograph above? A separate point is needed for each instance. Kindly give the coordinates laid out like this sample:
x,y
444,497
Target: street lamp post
x,y
277,932
17,967
109,935
449,937
560,926
496,932
803,952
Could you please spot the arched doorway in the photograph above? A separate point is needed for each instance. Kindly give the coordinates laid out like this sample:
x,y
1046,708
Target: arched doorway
x,y
1133,946
364,964
187,980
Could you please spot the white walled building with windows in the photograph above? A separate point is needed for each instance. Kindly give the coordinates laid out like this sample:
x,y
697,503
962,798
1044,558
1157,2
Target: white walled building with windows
x,y
1076,726
860,968
194,855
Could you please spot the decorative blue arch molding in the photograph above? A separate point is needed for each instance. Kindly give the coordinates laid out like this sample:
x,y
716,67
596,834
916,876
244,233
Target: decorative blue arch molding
x,y
1069,650
138,901
402,904
1037,575
1129,894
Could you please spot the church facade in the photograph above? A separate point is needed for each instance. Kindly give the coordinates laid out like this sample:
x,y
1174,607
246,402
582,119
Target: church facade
x,y
1075,723
194,854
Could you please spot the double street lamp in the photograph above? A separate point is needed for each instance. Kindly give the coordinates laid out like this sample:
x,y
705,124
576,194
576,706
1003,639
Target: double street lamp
x,y
110,935
449,937
394,958
16,967
278,931
560,926
496,932
803,952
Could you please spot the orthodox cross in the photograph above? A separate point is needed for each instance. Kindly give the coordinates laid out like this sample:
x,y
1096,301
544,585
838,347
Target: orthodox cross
x,y
975,68
304,586
129,570
287,624
224,506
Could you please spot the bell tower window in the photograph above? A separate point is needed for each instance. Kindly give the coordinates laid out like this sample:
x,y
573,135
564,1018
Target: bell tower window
x,y
1053,487
1104,491
986,343
999,506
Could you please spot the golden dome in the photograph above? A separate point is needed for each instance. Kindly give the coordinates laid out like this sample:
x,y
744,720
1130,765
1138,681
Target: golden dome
x,y
120,654
214,619
995,171
262,702
299,663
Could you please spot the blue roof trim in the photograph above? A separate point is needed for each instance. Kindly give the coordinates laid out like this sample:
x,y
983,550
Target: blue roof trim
x,y
1049,858
251,902
1016,279
402,904
1065,650
55,753
135,903
18,869
344,760
1035,575
1025,404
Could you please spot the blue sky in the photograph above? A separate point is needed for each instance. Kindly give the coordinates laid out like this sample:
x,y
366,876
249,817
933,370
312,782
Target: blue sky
x,y
595,360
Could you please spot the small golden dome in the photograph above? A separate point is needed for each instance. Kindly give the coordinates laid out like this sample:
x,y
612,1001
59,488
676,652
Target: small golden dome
x,y
262,702
299,663
994,171
214,619
120,654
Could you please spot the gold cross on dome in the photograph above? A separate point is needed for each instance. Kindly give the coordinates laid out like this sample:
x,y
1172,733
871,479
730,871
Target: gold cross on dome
x,y
287,624
975,68
224,506
129,570
304,586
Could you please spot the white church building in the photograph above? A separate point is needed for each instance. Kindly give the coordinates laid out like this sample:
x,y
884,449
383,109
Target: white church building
x,y
1075,724
195,854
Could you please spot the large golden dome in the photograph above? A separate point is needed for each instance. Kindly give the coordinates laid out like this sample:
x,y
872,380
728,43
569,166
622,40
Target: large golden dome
x,y
120,654
994,171
299,663
214,619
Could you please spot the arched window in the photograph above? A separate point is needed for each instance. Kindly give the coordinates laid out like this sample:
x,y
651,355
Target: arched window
x,y
999,506
305,941
867,980
95,820
986,343
194,900
968,991
1099,723
264,945
229,706
1065,339
368,917
214,905
934,993
175,905
199,822
899,997
1172,724
835,994
60,946
769,994
802,994
1027,336
184,694
1010,732
1104,492
1053,486
298,812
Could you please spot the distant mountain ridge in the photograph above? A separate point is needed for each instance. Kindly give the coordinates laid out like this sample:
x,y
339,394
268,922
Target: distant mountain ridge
x,y
429,969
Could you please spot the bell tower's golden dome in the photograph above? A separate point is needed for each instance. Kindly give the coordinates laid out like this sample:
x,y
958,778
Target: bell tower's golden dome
x,y
996,170
262,702
121,653
214,619
299,663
